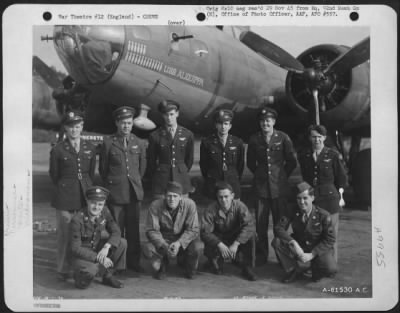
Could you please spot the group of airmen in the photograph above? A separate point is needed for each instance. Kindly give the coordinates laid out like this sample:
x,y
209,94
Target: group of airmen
x,y
98,227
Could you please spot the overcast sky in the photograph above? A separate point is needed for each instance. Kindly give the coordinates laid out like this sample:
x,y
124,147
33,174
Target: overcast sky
x,y
293,39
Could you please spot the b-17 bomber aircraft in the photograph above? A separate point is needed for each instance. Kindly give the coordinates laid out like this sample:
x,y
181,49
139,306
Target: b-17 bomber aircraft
x,y
205,68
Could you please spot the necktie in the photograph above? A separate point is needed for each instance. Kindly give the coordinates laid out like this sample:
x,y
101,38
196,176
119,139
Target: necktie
x,y
171,131
305,218
76,146
223,141
315,156
125,142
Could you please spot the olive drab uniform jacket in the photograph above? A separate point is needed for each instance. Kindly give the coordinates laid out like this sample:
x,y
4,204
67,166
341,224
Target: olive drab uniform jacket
x,y
236,224
88,238
170,159
326,175
122,168
72,172
271,164
222,163
314,236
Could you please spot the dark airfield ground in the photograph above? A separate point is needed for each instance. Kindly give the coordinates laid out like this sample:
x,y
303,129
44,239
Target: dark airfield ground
x,y
355,269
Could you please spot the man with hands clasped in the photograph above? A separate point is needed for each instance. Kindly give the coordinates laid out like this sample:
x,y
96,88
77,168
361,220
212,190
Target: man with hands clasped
x,y
96,243
227,231
172,228
312,239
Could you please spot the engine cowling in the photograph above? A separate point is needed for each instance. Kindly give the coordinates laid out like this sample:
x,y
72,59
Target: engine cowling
x,y
344,98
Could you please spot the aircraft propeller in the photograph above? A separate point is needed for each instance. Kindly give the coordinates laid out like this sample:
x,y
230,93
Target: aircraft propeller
x,y
320,78
48,74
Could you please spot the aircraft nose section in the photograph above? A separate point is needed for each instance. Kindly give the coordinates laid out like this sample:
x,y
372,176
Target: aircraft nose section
x,y
90,53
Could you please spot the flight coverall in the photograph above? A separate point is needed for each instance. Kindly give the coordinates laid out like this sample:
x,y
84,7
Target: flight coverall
x,y
271,163
122,169
162,230
316,235
88,238
221,163
170,159
326,175
72,173
235,225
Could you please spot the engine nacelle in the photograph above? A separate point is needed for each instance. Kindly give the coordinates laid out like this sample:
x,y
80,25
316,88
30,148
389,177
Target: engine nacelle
x,y
344,98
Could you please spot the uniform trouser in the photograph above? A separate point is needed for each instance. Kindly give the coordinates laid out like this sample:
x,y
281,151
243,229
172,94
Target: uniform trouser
x,y
335,225
244,254
321,265
188,257
278,207
63,220
85,271
127,217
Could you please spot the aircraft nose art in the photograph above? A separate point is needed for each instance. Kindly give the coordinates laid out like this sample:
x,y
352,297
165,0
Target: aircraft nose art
x,y
90,53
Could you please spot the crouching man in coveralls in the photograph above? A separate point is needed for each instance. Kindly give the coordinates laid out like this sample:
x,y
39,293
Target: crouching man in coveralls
x,y
172,228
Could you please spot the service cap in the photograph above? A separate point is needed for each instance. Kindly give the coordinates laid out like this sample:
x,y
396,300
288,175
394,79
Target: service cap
x,y
168,105
123,112
72,117
175,187
97,193
267,112
223,115
303,186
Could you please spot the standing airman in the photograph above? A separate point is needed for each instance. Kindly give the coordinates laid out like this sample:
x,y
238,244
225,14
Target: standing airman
x,y
122,165
170,152
271,158
72,167
322,168
222,156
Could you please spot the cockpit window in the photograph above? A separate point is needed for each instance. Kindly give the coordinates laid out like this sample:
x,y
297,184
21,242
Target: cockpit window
x,y
90,53
141,32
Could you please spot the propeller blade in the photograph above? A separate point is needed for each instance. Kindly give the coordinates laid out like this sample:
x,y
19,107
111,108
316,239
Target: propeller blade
x,y
48,74
271,52
357,55
315,96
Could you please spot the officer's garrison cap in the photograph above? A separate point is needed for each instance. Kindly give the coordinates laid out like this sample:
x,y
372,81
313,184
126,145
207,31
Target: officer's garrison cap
x,y
123,112
303,186
97,193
